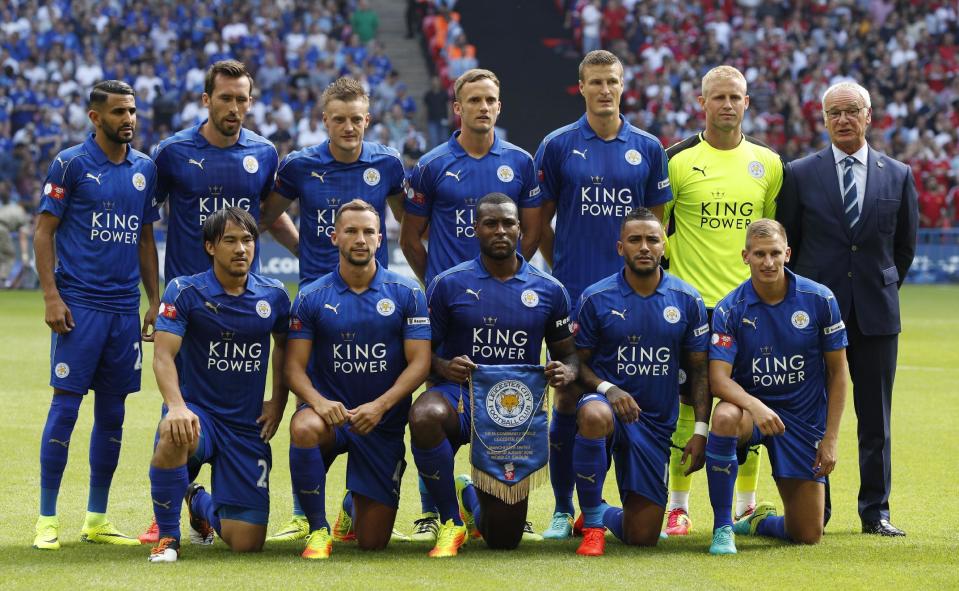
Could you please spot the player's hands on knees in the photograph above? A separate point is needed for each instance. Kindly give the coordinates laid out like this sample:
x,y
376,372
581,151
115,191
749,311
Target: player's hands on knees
x,y
269,419
766,420
365,417
559,374
150,323
459,369
332,412
695,452
58,316
624,405
181,425
825,457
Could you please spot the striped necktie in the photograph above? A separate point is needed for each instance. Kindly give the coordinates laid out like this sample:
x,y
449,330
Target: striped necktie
x,y
850,198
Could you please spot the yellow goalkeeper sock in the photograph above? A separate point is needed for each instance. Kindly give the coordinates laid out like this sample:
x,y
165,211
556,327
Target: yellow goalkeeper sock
x,y
679,483
748,480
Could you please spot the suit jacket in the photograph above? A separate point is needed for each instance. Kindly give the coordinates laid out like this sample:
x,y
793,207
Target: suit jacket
x,y
863,266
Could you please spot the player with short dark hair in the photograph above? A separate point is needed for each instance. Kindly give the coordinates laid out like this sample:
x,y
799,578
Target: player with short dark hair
x,y
359,347
98,209
211,359
777,361
592,173
634,328
494,309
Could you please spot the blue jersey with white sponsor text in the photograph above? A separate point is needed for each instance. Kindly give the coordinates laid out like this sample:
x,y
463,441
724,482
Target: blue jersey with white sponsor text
x,y
595,183
445,186
777,351
102,207
497,322
199,179
358,338
638,342
323,184
225,352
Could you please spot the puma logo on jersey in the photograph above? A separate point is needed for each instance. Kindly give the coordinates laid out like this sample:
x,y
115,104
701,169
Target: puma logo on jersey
x,y
315,491
314,174
474,293
591,478
62,163
212,306
751,322
581,154
165,505
455,175
701,170
431,476
199,164
618,313
58,442
723,470
96,178
334,308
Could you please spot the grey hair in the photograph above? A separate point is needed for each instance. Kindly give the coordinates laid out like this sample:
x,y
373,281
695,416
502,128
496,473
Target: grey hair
x,y
849,85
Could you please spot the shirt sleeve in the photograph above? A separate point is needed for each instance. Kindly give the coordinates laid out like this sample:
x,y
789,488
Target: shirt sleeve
x,y
417,325
273,160
658,189
722,345
57,188
588,326
281,305
547,172
530,193
164,180
151,207
395,175
437,306
285,183
833,336
775,184
419,199
174,310
559,326
697,331
301,319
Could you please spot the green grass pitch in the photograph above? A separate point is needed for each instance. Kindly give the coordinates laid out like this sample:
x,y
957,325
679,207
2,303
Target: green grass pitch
x,y
926,480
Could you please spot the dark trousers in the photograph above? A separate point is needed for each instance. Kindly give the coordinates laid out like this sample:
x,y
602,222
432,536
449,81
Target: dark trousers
x,y
872,364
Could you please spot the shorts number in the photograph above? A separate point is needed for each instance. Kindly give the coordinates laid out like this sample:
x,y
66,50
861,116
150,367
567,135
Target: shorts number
x,y
264,475
138,364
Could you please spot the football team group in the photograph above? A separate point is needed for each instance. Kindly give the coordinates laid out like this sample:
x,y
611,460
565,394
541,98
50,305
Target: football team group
x,y
636,355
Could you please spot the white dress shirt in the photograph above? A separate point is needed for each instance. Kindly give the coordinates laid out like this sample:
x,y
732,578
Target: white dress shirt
x,y
858,171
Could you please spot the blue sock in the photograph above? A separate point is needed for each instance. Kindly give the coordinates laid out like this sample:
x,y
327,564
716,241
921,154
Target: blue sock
x,y
437,465
721,469
613,520
471,502
773,526
297,510
562,432
167,487
348,504
54,447
427,504
202,505
105,441
589,465
308,473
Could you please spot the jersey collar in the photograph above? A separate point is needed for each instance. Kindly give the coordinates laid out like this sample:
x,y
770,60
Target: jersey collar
x,y
93,149
244,139
326,157
753,298
375,284
522,274
626,289
459,152
589,134
216,289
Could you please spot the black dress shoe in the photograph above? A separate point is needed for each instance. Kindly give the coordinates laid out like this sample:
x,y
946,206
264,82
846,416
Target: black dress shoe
x,y
881,528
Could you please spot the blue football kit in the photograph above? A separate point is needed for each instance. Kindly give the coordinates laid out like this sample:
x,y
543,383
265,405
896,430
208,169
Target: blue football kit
x,y
323,184
447,183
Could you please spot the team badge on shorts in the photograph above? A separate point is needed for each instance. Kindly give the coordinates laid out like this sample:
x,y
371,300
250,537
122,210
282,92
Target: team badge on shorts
x,y
530,298
800,319
505,173
62,370
509,403
671,314
371,177
633,157
139,181
385,307
250,164
756,169
263,309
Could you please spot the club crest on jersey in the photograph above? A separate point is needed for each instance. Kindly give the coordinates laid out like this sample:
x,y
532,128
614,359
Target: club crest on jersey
x,y
671,314
54,191
139,181
505,173
168,310
509,403
250,164
385,307
633,157
62,370
756,169
529,298
263,309
800,319
371,177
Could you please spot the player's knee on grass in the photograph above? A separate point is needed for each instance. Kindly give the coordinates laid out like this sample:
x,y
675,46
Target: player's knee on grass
x,y
594,420
642,521
500,523
307,429
431,417
566,398
372,523
241,536
803,502
726,419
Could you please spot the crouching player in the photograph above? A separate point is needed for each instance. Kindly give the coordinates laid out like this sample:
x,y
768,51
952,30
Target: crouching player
x,y
210,361
367,332
778,363
635,327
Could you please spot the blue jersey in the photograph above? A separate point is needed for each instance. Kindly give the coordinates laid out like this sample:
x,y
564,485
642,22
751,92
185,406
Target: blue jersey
x,y
198,179
594,184
777,351
638,342
358,339
322,184
102,207
445,186
497,322
225,352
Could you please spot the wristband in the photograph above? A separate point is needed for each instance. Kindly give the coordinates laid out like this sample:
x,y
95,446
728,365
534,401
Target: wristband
x,y
701,429
604,387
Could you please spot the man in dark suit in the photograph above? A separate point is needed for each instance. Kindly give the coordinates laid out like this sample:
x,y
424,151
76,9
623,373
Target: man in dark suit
x,y
851,214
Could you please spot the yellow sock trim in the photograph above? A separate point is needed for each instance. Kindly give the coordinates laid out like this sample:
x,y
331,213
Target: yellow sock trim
x,y
748,479
685,427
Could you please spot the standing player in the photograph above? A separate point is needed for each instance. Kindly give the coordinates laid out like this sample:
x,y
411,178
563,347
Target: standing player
x,y
444,189
722,180
634,326
495,309
778,363
359,347
592,173
210,360
98,208
324,177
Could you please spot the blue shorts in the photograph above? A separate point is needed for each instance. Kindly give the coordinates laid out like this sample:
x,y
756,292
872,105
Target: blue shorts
x,y
240,464
102,352
791,454
641,457
453,394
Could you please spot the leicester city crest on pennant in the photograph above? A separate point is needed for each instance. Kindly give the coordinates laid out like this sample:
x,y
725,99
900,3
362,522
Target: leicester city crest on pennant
x,y
250,164
385,307
263,309
671,314
530,298
509,403
756,169
139,181
800,319
633,157
371,177
504,173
